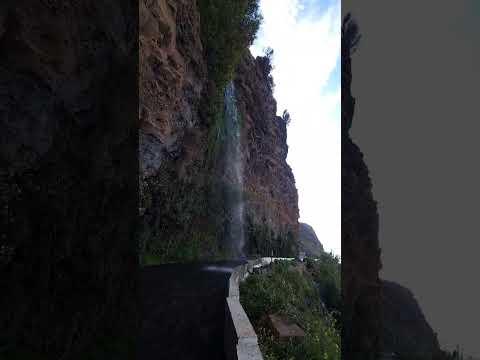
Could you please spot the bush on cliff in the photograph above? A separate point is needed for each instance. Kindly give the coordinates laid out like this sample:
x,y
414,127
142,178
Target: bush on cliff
x,y
285,288
266,64
228,28
264,242
327,278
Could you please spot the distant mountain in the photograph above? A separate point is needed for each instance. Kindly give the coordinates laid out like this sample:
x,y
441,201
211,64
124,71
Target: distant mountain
x,y
308,241
405,329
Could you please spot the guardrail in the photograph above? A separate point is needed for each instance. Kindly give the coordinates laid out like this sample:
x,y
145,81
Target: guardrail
x,y
241,342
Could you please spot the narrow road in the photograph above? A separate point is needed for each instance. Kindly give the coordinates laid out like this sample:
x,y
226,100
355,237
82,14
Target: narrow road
x,y
184,311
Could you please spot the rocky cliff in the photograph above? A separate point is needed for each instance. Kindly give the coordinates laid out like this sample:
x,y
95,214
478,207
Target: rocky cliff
x,y
183,141
172,78
271,196
361,286
173,74
308,241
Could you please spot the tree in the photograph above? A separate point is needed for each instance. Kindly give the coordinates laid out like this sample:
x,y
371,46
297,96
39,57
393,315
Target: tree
x,y
350,34
350,41
268,53
266,65
286,117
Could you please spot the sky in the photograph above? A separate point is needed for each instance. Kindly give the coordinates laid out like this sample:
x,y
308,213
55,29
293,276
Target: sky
x,y
305,37
415,80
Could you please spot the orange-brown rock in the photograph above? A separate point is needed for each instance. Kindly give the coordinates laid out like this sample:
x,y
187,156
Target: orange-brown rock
x,y
172,78
272,198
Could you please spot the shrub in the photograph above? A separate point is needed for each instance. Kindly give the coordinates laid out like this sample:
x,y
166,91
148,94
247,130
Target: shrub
x,y
284,289
228,28
286,117
265,63
263,241
326,275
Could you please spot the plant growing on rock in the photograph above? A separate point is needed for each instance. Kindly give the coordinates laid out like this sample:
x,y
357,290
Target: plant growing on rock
x,y
228,29
286,117
266,64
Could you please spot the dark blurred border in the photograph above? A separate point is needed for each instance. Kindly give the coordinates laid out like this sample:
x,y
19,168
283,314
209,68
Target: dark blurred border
x,y
69,179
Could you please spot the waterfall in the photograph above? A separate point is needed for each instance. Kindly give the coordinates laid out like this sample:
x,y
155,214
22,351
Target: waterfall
x,y
234,174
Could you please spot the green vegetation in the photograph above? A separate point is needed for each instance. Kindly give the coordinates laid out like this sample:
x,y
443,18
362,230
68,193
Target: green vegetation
x,y
263,241
191,223
174,227
228,29
286,117
186,220
170,250
265,63
327,277
296,290
351,35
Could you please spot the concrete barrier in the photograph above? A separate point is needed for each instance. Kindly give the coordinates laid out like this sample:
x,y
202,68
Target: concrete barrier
x,y
240,341
183,311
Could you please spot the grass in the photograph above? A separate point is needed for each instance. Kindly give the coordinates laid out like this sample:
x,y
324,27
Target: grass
x,y
287,290
171,250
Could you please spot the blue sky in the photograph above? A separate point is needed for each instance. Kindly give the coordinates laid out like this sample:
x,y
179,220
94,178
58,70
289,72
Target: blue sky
x,y
305,36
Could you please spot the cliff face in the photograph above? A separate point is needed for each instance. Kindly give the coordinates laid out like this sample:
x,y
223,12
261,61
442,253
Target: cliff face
x,y
361,285
308,241
271,195
172,77
183,196
173,74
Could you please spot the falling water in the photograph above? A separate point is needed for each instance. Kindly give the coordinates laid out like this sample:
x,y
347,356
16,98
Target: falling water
x,y
234,174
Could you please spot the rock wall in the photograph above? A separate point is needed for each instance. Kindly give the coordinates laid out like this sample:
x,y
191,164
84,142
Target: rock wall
x,y
183,196
271,196
172,77
308,241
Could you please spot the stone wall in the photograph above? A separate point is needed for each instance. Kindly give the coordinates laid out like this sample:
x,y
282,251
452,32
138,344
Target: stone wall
x,y
183,311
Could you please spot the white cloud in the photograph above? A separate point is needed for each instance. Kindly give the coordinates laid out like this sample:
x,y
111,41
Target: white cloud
x,y
306,53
